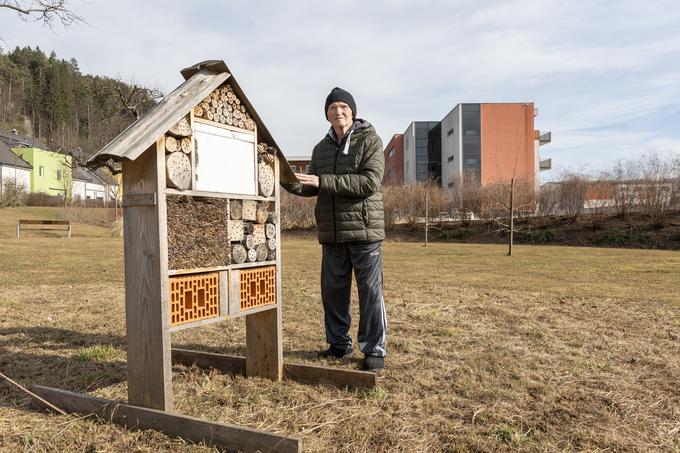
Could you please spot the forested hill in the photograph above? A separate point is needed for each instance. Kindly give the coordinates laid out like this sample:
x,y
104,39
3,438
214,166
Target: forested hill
x,y
49,99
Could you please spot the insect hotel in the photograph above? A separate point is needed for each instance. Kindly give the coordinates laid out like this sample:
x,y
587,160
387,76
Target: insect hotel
x,y
201,176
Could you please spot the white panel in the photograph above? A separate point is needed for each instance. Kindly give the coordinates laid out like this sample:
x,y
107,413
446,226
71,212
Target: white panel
x,y
225,160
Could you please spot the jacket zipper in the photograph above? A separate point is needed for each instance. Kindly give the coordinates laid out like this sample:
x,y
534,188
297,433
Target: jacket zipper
x,y
335,172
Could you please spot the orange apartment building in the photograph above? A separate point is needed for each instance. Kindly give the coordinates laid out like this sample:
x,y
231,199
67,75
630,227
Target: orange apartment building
x,y
482,143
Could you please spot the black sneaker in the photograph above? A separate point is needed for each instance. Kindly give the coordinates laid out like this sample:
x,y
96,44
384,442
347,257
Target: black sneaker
x,y
374,363
335,353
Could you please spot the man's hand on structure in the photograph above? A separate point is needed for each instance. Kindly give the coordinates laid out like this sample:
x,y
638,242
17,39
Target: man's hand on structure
x,y
308,180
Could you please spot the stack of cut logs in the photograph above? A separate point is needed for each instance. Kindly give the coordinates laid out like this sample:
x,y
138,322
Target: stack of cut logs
x,y
223,106
251,231
178,147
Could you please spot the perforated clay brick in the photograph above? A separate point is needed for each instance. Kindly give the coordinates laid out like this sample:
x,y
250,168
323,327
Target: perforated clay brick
x,y
258,287
194,297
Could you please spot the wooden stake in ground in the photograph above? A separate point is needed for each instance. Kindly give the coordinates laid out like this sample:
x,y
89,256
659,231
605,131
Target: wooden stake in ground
x,y
33,395
512,215
427,216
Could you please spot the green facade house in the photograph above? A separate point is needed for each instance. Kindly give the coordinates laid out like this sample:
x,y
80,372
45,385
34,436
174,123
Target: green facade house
x,y
51,172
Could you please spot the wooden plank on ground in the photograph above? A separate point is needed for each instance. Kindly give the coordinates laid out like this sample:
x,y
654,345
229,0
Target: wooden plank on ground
x,y
301,372
338,377
194,429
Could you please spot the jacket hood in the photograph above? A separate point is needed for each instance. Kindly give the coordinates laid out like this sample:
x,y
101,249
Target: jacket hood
x,y
360,126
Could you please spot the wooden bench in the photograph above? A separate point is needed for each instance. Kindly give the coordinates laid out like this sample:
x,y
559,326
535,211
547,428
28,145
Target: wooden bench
x,y
23,222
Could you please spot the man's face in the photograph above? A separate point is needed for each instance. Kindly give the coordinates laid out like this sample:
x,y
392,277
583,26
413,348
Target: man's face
x,y
339,115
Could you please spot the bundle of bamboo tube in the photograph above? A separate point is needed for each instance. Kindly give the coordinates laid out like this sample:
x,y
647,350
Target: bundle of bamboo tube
x,y
224,106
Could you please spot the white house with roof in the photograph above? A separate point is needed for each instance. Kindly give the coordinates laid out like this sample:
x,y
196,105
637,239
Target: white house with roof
x,y
13,170
93,185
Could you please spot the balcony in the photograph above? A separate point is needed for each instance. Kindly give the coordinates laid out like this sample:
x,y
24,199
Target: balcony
x,y
544,138
545,164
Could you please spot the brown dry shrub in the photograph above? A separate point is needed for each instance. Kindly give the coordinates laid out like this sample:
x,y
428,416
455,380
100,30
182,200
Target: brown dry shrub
x,y
12,193
296,211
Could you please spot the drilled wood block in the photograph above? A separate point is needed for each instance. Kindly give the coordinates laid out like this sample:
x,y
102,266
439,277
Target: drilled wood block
x,y
258,235
235,230
249,210
181,129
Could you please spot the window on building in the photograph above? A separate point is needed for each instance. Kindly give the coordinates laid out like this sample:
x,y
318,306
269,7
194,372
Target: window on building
x,y
58,175
471,161
470,132
390,154
41,170
294,168
449,133
450,159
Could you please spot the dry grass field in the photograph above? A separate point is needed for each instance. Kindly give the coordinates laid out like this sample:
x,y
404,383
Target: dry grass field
x,y
554,349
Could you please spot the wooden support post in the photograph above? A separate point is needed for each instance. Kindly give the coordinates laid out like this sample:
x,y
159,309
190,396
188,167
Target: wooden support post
x,y
146,287
264,346
220,435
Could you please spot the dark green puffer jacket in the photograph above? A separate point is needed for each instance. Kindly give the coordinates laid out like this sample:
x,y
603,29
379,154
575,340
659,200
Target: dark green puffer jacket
x,y
349,207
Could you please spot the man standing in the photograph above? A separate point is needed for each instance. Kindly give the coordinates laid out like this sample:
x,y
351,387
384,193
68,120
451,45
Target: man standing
x,y
345,173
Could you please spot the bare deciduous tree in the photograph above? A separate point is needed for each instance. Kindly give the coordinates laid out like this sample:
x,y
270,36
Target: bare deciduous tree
x,y
134,99
12,193
46,11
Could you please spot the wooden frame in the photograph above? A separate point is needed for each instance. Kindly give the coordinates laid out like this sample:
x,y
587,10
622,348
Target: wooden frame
x,y
301,372
147,308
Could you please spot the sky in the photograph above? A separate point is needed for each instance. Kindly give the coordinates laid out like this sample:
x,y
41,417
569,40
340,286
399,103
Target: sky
x,y
604,75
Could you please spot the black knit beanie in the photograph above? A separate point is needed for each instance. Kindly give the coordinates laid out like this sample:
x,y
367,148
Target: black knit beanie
x,y
338,94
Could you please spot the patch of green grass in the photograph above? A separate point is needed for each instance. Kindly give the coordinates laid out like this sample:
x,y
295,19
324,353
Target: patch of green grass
x,y
100,353
376,393
449,332
510,435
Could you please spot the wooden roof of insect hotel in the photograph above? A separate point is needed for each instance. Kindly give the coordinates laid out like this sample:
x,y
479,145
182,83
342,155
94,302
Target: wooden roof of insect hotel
x,y
200,80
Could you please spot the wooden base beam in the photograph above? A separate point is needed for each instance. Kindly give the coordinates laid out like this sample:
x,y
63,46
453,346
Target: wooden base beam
x,y
301,372
220,435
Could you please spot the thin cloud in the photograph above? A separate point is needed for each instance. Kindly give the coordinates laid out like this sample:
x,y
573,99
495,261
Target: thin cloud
x,y
589,66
